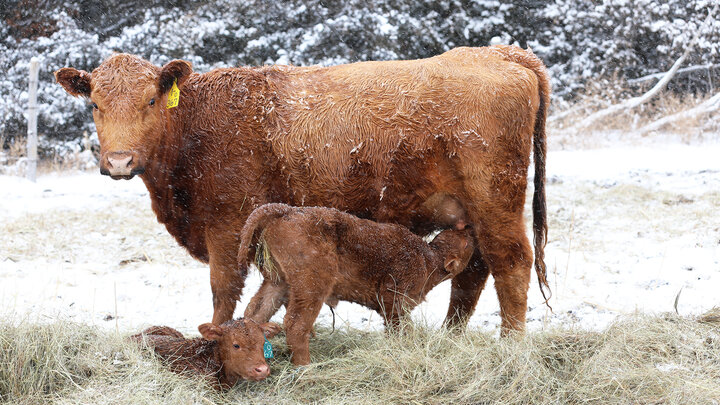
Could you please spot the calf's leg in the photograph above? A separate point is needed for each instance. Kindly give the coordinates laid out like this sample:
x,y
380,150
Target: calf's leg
x,y
393,320
302,310
265,303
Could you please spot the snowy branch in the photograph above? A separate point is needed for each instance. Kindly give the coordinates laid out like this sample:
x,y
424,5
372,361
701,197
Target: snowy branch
x,y
689,69
637,101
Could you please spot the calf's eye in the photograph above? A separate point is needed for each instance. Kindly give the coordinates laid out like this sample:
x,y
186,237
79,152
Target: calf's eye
x,y
236,346
152,101
94,106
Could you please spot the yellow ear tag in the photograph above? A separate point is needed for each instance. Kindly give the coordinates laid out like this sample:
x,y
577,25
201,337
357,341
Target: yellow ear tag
x,y
173,96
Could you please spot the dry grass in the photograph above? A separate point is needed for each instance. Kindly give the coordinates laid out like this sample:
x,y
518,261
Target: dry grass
x,y
45,235
66,362
263,258
13,159
639,359
67,162
600,95
77,159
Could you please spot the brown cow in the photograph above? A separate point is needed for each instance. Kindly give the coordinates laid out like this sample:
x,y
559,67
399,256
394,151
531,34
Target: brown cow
x,y
224,353
381,140
311,255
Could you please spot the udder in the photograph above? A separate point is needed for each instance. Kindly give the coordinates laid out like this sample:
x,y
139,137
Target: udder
x,y
422,215
444,211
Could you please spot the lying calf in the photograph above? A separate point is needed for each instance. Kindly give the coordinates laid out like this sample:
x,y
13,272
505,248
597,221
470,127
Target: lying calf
x,y
224,353
312,255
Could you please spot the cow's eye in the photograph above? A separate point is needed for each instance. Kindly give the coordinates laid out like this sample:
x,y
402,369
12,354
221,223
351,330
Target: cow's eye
x,y
152,101
236,346
94,106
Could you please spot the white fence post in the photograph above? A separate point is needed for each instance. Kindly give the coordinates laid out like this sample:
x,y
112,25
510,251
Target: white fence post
x,y
32,120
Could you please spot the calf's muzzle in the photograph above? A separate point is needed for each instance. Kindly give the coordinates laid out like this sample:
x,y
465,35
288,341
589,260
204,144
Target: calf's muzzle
x,y
259,372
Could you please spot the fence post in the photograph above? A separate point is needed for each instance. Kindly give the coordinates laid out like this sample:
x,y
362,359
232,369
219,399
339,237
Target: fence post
x,y
32,120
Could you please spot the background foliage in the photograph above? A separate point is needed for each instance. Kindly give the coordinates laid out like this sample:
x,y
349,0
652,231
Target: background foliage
x,y
612,40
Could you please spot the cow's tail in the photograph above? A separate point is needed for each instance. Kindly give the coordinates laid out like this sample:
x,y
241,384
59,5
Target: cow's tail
x,y
258,220
528,59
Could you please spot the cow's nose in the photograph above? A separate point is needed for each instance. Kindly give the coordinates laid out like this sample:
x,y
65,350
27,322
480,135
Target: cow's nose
x,y
261,371
120,163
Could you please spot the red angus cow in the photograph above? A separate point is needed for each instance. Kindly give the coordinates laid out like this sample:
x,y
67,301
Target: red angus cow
x,y
381,140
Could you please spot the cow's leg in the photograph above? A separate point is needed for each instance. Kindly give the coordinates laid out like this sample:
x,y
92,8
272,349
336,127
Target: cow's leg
x,y
506,250
397,317
511,258
265,303
226,277
302,310
465,291
495,199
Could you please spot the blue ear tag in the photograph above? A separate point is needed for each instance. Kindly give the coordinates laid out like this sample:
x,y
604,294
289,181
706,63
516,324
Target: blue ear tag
x,y
267,349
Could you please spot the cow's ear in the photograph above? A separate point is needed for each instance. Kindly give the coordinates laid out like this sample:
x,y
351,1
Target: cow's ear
x,y
76,82
210,331
174,70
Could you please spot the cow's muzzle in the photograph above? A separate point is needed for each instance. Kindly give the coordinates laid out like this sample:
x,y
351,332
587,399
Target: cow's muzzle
x,y
120,165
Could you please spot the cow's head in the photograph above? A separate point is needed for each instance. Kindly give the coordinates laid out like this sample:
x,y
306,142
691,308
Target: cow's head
x,y
129,98
241,347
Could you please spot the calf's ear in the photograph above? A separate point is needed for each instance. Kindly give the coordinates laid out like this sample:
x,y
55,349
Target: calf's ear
x,y
76,82
210,331
452,265
270,329
174,70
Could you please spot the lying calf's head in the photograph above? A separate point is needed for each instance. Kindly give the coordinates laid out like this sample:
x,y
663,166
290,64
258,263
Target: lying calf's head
x,y
240,344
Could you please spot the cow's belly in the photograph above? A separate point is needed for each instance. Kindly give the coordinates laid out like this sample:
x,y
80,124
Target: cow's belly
x,y
422,193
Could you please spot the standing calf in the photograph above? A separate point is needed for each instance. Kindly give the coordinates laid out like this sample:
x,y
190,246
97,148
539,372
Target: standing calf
x,y
312,255
224,353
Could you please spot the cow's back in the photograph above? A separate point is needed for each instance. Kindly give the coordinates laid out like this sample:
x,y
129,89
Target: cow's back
x,y
380,138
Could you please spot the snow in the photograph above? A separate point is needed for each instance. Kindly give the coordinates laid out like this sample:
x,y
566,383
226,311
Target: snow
x,y
690,174
631,227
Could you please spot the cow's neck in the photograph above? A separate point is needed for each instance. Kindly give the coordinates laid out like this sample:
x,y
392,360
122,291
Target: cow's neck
x,y
188,164
170,187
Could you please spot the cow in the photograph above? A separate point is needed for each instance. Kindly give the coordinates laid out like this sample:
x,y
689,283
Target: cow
x,y
381,140
223,355
312,255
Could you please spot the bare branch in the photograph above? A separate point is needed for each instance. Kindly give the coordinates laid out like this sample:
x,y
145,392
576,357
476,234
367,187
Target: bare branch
x,y
708,106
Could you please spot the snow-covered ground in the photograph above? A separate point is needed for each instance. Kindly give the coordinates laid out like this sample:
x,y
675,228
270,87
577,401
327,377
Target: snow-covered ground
x,y
630,227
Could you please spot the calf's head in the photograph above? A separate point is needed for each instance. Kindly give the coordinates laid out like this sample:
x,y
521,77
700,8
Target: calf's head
x,y
129,98
240,343
457,248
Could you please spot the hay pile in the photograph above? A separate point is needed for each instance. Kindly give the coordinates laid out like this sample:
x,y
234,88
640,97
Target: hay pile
x,y
639,359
